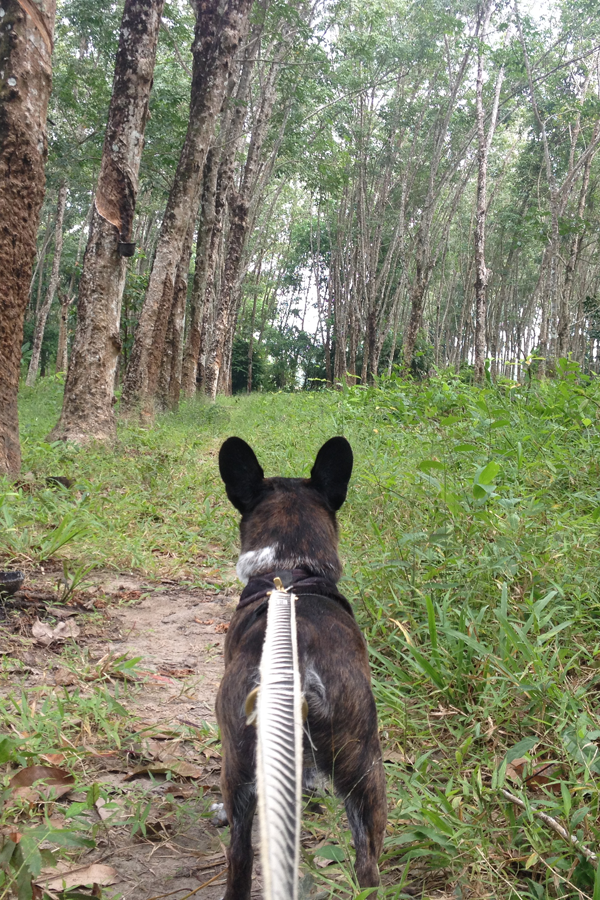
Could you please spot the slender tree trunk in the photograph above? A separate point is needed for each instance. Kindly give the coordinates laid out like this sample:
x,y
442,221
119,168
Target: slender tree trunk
x,y
169,384
225,309
61,353
217,181
68,297
42,316
25,56
567,289
483,152
351,376
219,28
240,222
417,296
205,229
87,412
252,325
39,268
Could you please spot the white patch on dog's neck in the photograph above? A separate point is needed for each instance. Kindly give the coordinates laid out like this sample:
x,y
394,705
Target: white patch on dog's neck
x,y
259,562
253,562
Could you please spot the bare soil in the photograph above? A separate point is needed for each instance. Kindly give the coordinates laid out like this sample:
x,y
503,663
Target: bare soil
x,y
170,773
177,633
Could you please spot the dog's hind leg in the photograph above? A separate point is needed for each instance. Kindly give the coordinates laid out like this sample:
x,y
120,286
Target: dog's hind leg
x,y
366,807
240,804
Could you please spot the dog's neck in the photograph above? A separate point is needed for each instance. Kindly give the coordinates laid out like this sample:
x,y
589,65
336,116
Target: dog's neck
x,y
276,556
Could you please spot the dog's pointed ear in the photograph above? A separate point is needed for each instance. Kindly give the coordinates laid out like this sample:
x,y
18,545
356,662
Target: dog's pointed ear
x,y
332,470
241,472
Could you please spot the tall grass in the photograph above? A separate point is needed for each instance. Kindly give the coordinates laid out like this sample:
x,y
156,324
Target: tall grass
x,y
470,537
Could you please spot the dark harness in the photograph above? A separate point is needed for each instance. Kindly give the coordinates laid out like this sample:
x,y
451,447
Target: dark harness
x,y
300,582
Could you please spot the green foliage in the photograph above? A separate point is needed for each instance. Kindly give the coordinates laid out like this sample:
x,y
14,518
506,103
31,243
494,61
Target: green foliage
x,y
472,558
47,721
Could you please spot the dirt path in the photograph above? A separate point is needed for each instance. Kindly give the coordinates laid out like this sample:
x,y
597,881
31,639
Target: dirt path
x,y
165,778
179,636
177,633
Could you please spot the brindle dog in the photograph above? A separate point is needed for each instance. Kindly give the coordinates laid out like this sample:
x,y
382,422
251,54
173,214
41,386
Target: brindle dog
x,y
289,530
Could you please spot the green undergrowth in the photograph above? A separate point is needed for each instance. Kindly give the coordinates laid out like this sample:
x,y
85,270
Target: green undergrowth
x,y
471,543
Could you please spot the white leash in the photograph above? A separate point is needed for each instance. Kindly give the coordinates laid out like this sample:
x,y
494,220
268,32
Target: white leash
x,y
279,750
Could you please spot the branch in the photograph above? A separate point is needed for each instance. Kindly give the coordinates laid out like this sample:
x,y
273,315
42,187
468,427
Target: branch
x,y
182,62
555,826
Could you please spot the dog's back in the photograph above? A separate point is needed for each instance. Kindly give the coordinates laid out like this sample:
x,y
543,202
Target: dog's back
x,y
289,530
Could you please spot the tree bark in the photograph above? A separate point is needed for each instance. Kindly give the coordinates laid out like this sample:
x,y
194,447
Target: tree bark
x,y
483,151
238,232
62,355
169,385
61,352
219,29
205,229
26,32
42,316
39,268
87,412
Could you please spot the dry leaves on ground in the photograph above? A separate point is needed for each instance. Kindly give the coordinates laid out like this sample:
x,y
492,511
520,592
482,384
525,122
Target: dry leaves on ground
x,y
46,635
545,774
57,782
77,876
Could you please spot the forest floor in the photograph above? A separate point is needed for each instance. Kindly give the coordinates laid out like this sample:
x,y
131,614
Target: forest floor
x,y
175,634
157,830
472,558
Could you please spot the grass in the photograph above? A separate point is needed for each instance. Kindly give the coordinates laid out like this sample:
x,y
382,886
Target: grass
x,y
470,538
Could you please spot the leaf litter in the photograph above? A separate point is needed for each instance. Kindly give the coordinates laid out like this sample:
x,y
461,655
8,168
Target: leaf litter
x,y
155,834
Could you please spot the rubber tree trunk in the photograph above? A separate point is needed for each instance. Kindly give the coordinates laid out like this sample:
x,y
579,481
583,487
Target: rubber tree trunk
x,y
219,173
417,299
66,299
61,353
205,229
484,145
219,29
42,316
87,412
240,220
26,33
169,383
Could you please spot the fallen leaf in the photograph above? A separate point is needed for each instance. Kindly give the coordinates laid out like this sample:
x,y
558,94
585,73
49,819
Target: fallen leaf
x,y
175,673
114,810
204,621
167,764
159,828
62,612
64,677
396,756
547,773
46,635
162,679
56,781
55,759
79,876
514,770
544,774
210,753
222,628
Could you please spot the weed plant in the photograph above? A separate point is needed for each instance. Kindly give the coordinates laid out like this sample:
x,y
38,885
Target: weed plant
x,y
471,544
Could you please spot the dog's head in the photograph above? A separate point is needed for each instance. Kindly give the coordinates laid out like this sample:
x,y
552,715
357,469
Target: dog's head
x,y
287,523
